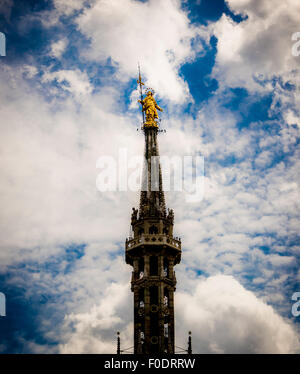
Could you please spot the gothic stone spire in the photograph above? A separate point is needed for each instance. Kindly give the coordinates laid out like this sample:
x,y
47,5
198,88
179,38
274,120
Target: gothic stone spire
x,y
153,252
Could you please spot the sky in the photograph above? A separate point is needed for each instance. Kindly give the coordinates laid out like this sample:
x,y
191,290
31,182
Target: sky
x,y
227,76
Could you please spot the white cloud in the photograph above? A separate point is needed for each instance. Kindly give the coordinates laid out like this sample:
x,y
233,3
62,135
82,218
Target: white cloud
x,y
69,7
57,48
253,52
50,18
226,318
261,44
95,330
223,316
48,167
74,81
156,34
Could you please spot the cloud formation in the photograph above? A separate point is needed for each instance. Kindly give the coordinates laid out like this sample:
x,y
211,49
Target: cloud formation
x,y
156,34
55,123
257,52
223,316
226,318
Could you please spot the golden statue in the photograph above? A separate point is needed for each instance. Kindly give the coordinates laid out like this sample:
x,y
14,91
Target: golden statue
x,y
149,107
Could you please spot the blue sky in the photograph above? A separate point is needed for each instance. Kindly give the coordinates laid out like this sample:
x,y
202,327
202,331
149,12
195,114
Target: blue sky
x,y
228,82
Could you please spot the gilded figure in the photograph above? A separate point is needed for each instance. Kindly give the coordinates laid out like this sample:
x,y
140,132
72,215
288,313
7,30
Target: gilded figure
x,y
150,108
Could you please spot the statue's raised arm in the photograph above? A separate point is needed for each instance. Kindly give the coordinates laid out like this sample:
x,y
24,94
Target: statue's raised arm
x,y
158,107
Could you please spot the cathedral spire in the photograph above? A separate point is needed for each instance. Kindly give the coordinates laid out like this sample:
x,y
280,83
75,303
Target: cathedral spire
x,y
153,251
152,200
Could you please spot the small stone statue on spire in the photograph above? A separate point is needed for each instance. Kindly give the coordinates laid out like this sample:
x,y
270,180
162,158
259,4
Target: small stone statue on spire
x,y
134,215
171,215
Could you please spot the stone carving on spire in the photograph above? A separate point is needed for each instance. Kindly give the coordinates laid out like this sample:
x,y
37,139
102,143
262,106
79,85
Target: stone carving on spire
x,y
134,215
